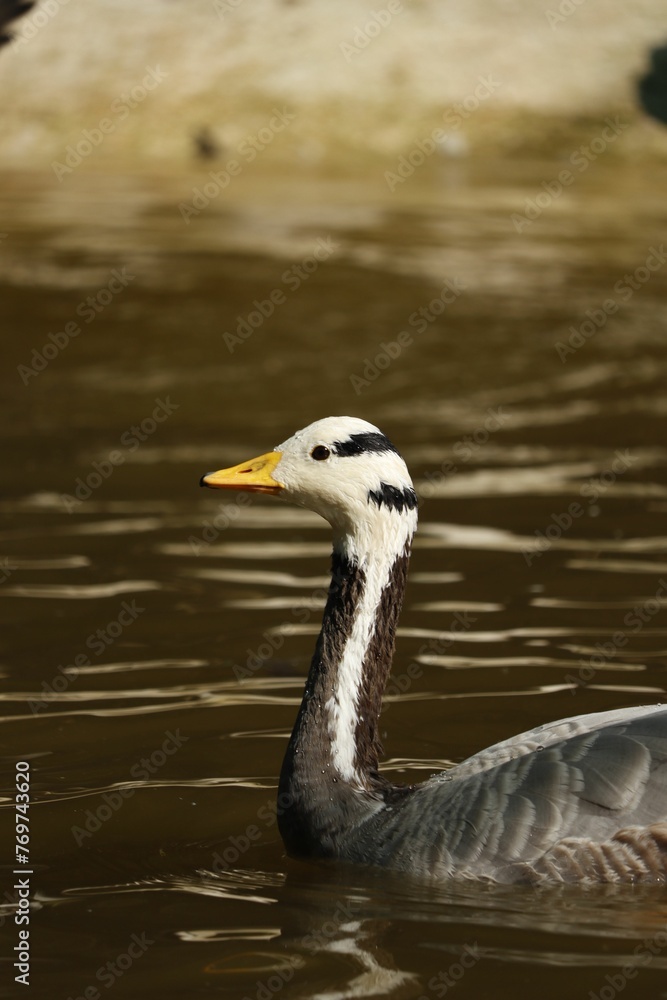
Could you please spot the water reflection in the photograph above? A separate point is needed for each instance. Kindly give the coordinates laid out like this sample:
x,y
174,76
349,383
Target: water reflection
x,y
231,594
354,933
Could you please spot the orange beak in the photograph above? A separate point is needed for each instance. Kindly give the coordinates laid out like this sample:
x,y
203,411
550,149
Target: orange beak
x,y
254,476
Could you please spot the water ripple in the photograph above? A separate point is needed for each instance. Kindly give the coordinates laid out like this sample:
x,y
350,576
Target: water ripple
x,y
628,603
252,550
61,562
90,591
468,662
266,577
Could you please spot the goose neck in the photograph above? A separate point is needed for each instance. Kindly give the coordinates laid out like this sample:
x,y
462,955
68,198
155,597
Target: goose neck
x,y
334,752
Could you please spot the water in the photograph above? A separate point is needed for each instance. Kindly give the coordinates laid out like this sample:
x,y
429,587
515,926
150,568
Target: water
x,y
156,637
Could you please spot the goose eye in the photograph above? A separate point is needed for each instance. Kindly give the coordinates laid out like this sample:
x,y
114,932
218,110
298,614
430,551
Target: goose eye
x,y
320,453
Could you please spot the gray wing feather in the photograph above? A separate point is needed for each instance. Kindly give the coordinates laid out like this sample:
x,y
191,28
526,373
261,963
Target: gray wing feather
x,y
590,803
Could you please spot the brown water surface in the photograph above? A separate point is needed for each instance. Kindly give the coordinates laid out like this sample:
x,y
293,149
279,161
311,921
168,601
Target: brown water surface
x,y
156,637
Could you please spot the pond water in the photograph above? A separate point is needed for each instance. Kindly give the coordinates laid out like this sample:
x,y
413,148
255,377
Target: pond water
x,y
156,638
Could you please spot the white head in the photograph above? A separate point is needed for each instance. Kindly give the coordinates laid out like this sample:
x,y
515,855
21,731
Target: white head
x,y
344,469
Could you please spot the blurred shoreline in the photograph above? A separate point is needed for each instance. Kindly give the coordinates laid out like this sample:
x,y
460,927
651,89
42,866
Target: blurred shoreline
x,y
311,84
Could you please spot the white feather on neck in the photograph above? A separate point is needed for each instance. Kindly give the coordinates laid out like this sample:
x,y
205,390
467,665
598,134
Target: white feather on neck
x,y
375,545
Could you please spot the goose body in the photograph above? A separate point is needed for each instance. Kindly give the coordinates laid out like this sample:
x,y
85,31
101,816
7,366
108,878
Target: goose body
x,y
579,800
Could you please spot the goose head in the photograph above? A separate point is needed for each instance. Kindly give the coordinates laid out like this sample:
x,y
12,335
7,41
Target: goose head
x,y
344,469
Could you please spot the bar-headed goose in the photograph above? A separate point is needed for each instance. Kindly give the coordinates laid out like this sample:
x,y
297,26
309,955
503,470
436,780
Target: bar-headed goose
x,y
580,800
